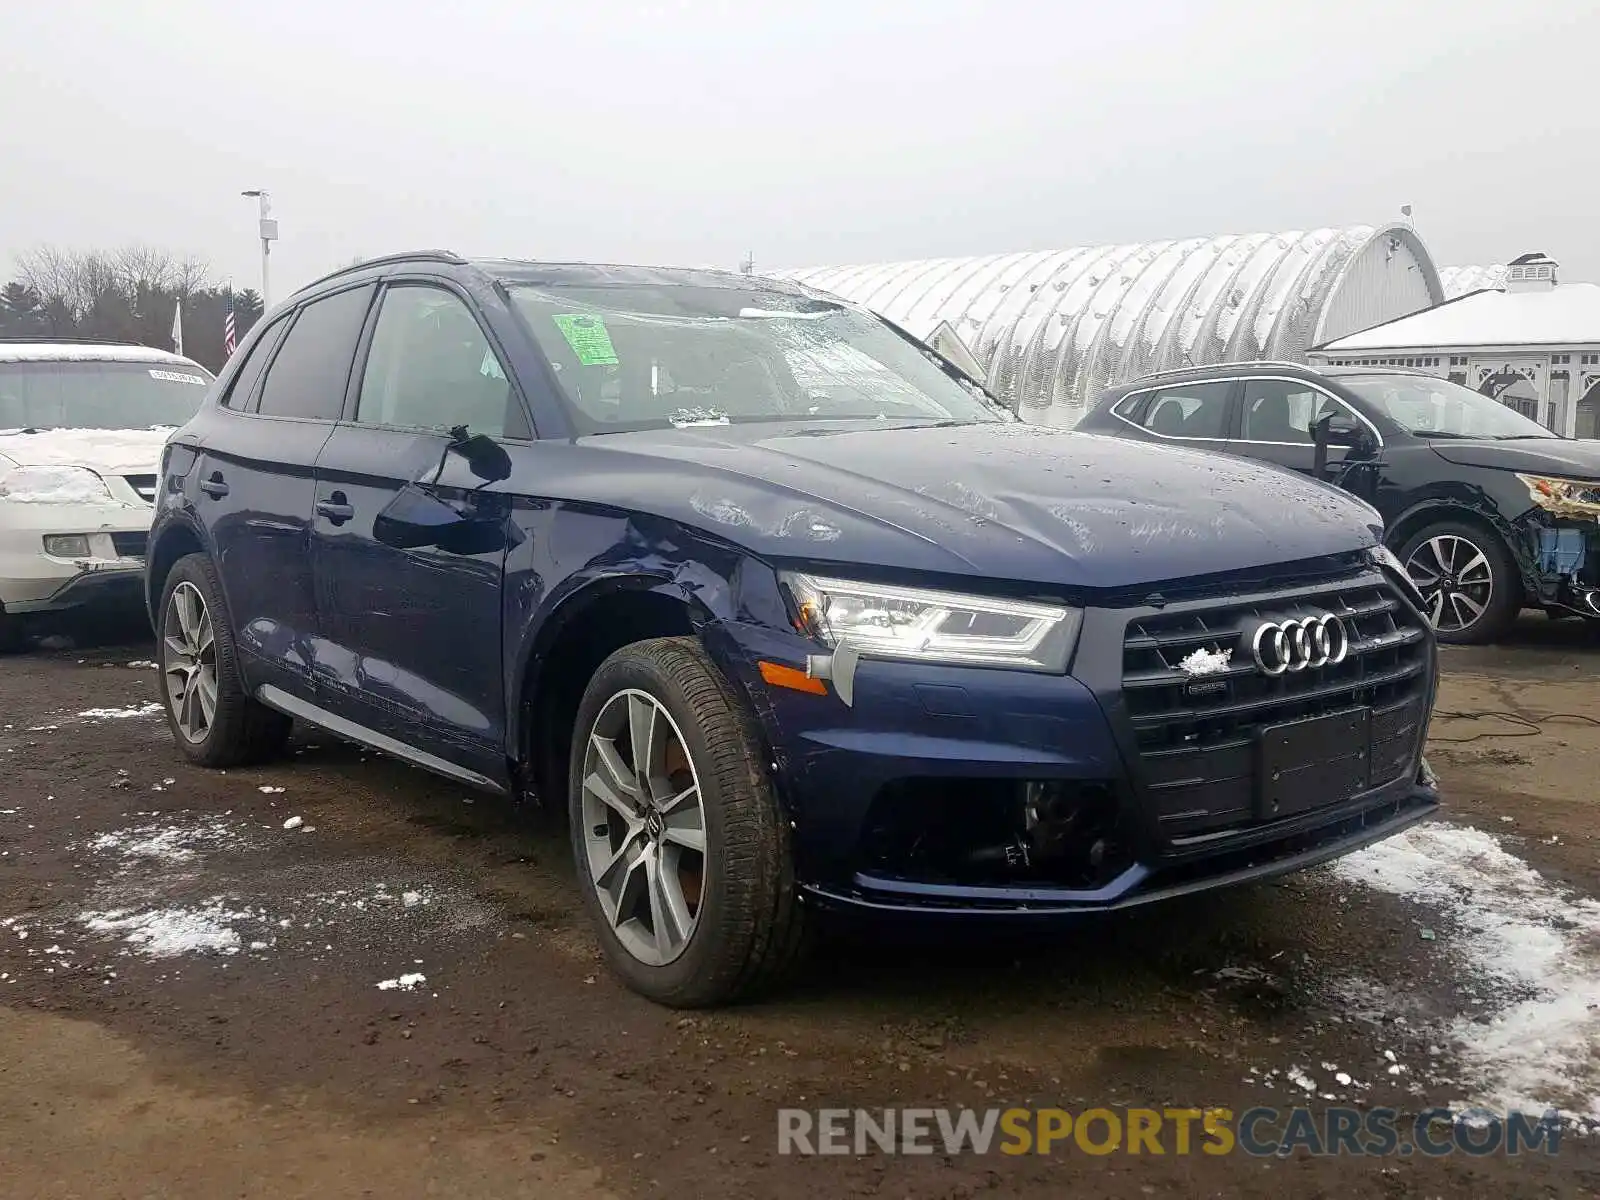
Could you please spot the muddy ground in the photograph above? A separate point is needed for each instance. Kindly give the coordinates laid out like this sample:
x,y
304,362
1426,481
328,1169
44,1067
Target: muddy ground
x,y
190,1001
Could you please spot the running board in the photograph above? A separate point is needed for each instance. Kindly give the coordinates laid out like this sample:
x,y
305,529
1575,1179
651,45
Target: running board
x,y
274,697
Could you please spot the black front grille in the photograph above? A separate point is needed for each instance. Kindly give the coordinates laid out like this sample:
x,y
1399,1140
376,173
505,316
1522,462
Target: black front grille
x,y
130,545
144,485
1198,735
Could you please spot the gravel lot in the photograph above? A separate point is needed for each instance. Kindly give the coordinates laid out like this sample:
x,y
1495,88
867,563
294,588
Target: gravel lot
x,y
340,976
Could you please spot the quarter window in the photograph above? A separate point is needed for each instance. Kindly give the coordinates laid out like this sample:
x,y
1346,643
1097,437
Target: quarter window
x,y
1283,411
309,374
431,367
249,373
1192,410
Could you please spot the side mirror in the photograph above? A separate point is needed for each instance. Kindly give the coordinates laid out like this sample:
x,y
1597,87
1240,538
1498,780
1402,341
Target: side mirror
x,y
414,519
1333,429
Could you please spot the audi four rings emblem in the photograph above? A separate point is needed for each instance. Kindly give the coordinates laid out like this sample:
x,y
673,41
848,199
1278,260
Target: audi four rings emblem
x,y
1317,641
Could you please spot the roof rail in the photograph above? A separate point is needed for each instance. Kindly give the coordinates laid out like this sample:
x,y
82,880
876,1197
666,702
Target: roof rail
x,y
50,339
444,256
1250,362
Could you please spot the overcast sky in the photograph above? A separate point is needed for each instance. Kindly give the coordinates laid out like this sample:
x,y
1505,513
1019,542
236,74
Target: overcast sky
x,y
811,133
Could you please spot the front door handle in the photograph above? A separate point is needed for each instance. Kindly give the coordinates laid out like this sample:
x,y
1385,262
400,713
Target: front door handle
x,y
215,487
337,508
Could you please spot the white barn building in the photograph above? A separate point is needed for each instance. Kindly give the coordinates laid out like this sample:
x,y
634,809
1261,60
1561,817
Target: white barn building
x,y
1534,346
1052,328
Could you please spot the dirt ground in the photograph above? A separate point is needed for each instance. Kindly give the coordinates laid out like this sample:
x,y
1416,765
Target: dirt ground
x,y
190,999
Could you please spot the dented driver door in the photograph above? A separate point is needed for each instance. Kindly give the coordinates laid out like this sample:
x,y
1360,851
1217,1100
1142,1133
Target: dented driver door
x,y
410,538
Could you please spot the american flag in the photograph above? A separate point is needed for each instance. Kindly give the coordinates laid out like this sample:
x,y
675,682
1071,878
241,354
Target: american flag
x,y
228,331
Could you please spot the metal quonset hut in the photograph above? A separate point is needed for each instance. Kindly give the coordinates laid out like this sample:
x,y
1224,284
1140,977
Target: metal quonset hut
x,y
1054,327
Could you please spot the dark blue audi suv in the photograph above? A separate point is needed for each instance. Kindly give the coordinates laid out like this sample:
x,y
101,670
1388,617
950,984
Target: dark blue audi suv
x,y
781,606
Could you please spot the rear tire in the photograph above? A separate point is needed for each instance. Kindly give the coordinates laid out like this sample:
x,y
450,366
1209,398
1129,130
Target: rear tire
x,y
1470,584
683,927
214,720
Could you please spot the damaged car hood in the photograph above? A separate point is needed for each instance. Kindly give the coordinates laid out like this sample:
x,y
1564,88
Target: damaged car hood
x,y
1003,500
1571,458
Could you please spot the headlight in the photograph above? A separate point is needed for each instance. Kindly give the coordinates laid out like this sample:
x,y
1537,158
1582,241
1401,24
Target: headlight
x,y
926,626
1564,497
53,485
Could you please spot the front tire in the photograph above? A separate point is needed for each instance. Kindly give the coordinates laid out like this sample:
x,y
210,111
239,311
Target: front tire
x,y
1470,585
683,854
214,720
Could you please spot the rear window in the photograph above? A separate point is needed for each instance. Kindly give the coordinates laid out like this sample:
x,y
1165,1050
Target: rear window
x,y
99,395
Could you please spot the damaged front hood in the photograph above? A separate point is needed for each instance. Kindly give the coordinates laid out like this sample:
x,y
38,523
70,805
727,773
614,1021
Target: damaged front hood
x,y
1005,501
1566,458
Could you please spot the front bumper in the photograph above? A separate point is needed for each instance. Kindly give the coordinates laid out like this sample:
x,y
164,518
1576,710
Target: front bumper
x,y
32,581
957,753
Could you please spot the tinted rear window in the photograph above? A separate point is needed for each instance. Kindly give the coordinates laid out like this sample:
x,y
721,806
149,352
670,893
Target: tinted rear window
x,y
64,394
309,373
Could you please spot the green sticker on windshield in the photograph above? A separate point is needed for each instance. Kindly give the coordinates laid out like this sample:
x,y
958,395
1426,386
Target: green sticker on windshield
x,y
588,337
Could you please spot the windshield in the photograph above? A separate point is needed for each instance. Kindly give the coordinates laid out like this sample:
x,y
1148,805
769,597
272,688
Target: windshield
x,y
653,356
1431,407
98,395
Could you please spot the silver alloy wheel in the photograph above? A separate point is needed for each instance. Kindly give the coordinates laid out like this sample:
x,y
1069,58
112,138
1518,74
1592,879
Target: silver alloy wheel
x,y
189,662
1455,579
644,827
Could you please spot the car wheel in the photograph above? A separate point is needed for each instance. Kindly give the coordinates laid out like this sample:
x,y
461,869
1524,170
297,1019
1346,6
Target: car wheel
x,y
683,854
1470,586
12,636
214,720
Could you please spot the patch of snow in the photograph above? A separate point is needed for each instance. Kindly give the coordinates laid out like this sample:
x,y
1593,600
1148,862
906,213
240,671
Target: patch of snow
x,y
294,822
1529,942
54,485
171,932
114,714
404,984
108,451
269,791
173,843
1203,662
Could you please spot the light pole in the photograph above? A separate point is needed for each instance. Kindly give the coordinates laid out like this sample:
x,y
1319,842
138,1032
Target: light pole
x,y
269,234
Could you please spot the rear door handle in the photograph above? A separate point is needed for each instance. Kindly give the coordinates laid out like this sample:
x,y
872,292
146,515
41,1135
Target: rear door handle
x,y
337,508
215,487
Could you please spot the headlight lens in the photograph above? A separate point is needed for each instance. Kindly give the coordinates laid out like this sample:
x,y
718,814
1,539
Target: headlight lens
x,y
1564,497
53,485
928,626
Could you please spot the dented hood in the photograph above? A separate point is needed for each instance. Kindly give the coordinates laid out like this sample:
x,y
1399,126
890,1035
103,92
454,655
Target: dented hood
x,y
1568,458
1007,501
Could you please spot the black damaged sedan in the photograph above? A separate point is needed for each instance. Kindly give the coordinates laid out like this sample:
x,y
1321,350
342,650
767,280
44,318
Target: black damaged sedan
x,y
1490,512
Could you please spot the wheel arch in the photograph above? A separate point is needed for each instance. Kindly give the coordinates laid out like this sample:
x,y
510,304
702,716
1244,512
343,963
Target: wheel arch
x,y
1431,512
173,542
589,624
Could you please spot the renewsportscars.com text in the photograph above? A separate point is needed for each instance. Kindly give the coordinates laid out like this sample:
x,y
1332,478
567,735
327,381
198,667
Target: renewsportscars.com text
x,y
1264,1132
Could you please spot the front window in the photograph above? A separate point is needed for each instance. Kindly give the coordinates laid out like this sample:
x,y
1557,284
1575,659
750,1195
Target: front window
x,y
53,394
1431,408
650,357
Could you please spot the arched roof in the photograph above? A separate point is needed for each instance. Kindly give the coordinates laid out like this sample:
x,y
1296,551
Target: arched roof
x,y
1053,327
1458,281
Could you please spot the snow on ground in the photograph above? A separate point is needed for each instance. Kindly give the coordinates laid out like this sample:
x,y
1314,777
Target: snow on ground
x,y
1531,951
171,841
115,714
176,884
170,932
